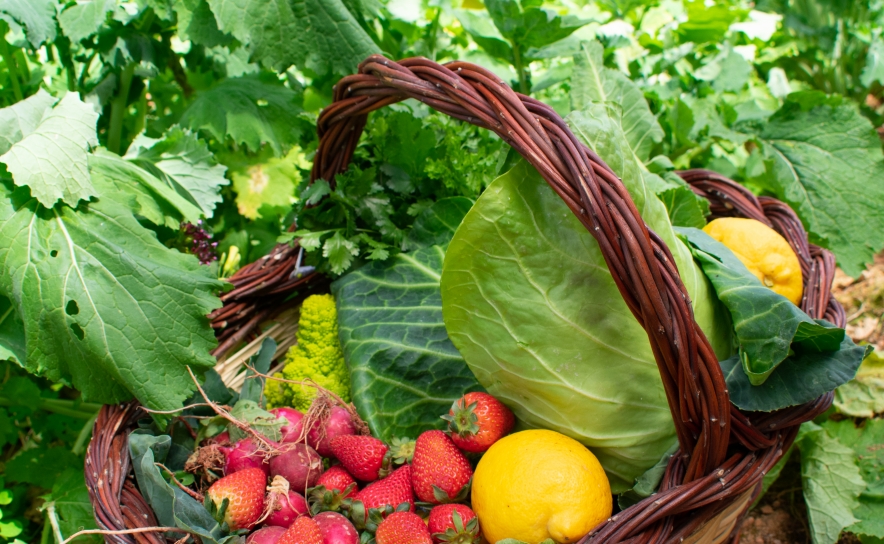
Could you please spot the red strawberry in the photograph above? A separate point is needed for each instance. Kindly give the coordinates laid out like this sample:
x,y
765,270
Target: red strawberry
x,y
441,472
478,420
303,531
244,491
333,486
362,456
403,528
392,491
337,478
453,523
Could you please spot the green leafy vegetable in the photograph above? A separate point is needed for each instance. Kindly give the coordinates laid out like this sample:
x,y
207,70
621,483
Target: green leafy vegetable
x,y
184,163
84,18
36,16
22,118
270,185
115,326
12,333
867,441
70,499
196,22
260,420
148,196
769,329
531,305
798,379
864,395
322,35
438,223
831,482
646,484
594,83
821,157
51,159
404,371
172,506
249,110
253,385
40,466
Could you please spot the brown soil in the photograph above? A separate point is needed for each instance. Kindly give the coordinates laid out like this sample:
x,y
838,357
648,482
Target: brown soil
x,y
863,300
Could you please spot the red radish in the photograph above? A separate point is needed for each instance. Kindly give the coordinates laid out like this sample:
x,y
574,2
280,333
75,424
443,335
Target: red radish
x,y
244,454
222,439
299,464
266,535
336,529
284,506
292,431
323,431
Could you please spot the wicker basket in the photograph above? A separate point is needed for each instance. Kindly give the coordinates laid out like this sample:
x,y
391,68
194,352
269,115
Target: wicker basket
x,y
723,454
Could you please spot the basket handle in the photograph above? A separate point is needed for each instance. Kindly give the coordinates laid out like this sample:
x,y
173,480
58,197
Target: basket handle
x,y
640,263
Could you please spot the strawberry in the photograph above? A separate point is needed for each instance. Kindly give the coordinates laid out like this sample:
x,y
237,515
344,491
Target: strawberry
x,y
478,420
403,528
454,523
362,456
441,472
303,531
390,492
337,478
244,492
333,486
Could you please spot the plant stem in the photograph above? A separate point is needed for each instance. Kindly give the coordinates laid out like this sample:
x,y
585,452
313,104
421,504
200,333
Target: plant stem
x,y
53,519
80,410
118,109
10,62
83,437
64,56
520,69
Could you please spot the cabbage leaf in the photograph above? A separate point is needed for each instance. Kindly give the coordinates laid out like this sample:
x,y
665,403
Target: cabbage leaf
x,y
529,302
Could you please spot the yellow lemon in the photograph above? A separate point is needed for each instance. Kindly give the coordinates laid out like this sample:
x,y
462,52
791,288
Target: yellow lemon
x,y
764,252
535,485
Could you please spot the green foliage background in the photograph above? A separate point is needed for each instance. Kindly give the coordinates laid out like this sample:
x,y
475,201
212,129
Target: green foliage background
x,y
205,110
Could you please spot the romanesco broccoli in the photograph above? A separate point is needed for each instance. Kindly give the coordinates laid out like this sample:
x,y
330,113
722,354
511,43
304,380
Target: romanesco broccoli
x,y
317,356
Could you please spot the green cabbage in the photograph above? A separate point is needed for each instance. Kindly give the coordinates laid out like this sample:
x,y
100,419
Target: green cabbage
x,y
529,302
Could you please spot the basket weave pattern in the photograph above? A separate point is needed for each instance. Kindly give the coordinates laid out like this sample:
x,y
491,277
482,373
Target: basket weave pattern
x,y
723,452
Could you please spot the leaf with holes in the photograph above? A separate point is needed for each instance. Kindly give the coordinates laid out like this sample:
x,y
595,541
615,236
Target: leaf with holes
x,y
404,371
52,159
105,305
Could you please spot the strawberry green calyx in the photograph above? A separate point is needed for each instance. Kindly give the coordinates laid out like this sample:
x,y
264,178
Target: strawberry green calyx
x,y
461,533
322,499
401,451
462,420
453,524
